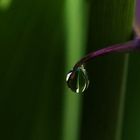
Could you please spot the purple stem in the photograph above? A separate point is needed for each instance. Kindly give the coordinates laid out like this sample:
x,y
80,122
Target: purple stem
x,y
132,45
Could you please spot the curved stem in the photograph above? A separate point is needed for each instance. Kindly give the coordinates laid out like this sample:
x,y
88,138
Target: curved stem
x,y
132,45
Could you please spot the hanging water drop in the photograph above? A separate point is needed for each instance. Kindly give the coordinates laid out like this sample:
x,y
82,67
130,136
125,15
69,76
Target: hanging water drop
x,y
77,80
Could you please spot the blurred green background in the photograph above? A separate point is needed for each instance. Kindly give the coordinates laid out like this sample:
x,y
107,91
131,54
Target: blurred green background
x,y
40,41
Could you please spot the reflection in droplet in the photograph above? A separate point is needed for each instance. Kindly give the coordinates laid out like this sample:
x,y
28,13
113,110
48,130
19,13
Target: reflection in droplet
x,y
77,80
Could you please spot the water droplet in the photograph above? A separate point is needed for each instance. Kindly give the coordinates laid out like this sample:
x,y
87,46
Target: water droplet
x,y
77,80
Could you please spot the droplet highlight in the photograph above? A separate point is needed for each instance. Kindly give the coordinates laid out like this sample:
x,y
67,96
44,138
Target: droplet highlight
x,y
77,80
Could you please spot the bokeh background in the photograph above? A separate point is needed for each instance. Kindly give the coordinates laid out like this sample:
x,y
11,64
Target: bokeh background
x,y
40,41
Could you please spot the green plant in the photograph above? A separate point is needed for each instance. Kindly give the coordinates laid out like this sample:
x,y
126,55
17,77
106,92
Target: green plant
x,y
39,42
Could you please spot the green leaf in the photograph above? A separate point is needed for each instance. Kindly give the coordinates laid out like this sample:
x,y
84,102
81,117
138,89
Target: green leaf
x,y
110,23
32,59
